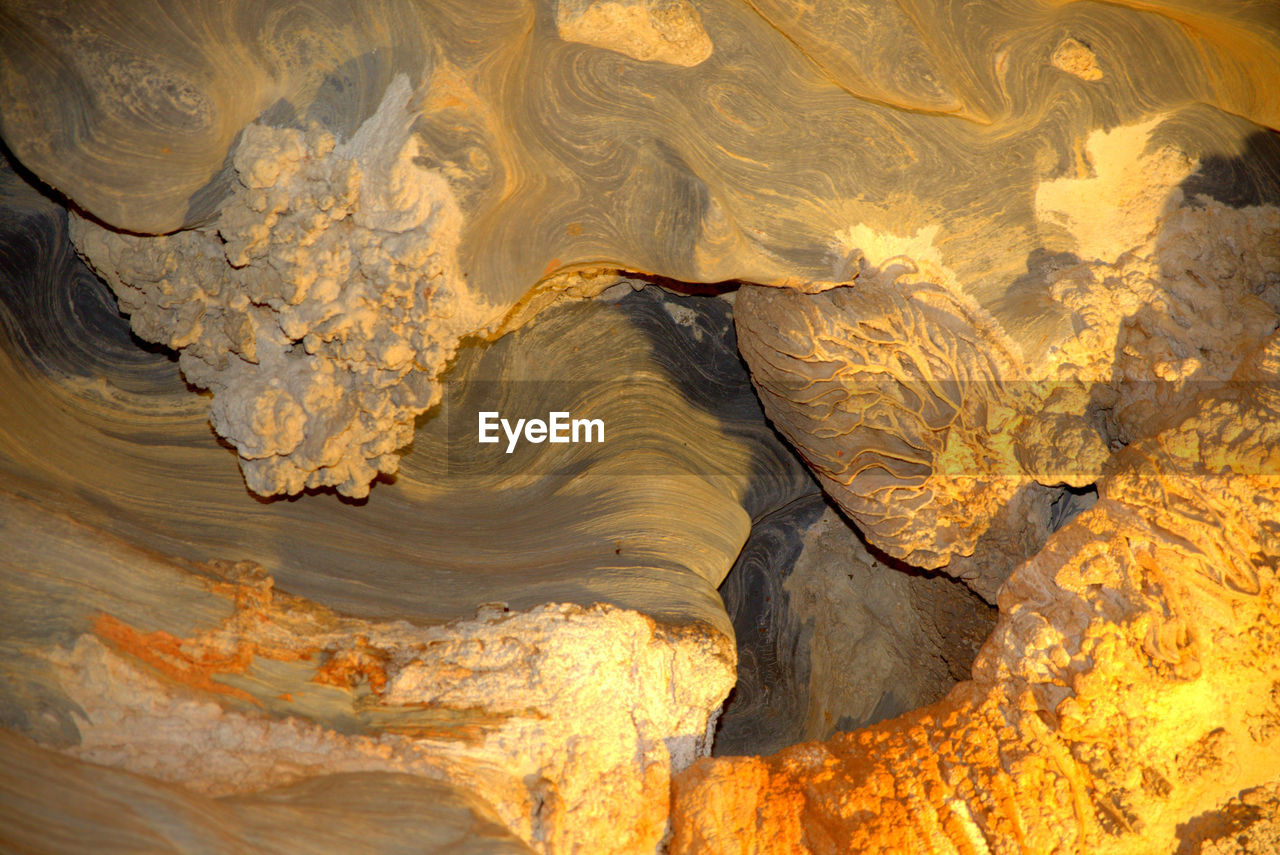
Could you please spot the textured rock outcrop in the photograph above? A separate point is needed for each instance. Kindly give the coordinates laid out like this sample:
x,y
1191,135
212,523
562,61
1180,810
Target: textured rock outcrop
x,y
648,30
648,136
122,645
318,307
931,427
1129,683
1177,312
1248,824
989,185
566,721
913,408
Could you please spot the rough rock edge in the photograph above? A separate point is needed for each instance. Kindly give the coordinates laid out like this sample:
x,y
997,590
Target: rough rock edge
x,y
1134,622
319,306
914,411
569,721
667,31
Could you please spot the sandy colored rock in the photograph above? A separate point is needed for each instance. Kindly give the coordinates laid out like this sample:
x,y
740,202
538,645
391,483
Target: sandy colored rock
x,y
559,158
1177,312
92,809
567,721
319,307
1074,57
1128,684
667,31
952,184
1248,824
913,406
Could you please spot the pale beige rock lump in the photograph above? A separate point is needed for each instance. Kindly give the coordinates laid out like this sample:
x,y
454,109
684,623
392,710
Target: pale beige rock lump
x,y
318,307
1177,312
667,31
567,721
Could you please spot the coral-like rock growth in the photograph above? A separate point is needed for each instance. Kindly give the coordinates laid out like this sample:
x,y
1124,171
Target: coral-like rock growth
x,y
912,407
1175,313
318,307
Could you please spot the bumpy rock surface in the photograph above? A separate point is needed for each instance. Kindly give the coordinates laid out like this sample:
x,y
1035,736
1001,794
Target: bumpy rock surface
x,y
930,426
913,408
1177,312
648,30
1005,193
1129,683
496,622
318,307
567,721
650,136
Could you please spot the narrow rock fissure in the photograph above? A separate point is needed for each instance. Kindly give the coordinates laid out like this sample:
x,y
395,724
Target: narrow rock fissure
x,y
833,637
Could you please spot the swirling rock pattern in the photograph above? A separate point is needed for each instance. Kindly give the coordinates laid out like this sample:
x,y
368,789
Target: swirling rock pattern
x,y
378,636
734,141
353,812
152,96
785,144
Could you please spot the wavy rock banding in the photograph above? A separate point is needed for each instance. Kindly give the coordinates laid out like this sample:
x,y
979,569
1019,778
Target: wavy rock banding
x,y
1005,276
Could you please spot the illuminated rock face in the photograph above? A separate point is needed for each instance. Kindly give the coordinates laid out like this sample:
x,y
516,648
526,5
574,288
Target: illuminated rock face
x,y
1127,687
983,263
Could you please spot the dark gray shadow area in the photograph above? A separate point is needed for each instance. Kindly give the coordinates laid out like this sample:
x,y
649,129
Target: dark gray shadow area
x,y
766,708
834,636
1251,178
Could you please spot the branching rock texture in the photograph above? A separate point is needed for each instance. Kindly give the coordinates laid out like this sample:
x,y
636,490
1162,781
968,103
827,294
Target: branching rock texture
x,y
912,409
1006,277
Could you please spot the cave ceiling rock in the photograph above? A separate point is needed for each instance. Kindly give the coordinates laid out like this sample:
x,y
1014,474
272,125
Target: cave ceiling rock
x,y
388,637
320,305
937,425
131,109
739,166
1129,181
912,405
1129,683
546,523
561,152
1166,286
1176,312
667,31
